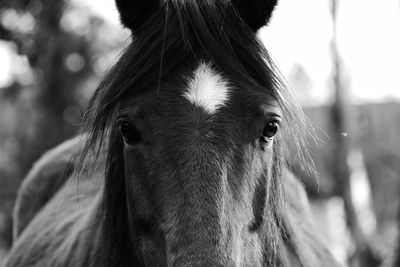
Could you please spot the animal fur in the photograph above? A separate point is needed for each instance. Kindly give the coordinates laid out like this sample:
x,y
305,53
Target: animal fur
x,y
255,13
72,217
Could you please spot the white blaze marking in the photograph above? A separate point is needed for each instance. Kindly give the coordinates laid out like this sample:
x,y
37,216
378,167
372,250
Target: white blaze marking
x,y
207,89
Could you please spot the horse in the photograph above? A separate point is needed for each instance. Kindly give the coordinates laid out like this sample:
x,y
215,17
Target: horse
x,y
184,159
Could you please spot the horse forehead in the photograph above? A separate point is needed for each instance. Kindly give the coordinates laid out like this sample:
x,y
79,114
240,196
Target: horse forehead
x,y
207,89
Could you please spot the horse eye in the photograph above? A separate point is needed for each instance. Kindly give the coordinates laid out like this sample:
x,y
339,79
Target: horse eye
x,y
130,133
270,129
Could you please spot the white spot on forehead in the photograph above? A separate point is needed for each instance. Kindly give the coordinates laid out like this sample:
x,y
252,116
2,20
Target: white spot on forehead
x,y
207,89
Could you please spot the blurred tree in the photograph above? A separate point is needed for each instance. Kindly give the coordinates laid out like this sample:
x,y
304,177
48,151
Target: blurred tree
x,y
44,96
363,255
59,61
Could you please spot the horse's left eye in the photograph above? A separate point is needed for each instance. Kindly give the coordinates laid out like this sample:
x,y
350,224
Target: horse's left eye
x,y
270,129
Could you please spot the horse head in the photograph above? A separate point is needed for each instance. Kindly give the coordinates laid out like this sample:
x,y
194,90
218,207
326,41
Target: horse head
x,y
197,121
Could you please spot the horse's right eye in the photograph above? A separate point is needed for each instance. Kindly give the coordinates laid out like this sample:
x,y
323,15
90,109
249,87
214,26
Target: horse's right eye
x,y
131,135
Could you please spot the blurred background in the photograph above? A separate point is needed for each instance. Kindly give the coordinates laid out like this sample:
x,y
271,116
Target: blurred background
x,y
341,57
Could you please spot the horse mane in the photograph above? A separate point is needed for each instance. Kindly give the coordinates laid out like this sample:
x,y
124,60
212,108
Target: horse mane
x,y
183,31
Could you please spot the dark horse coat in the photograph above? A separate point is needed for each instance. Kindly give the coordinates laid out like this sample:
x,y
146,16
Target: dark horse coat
x,y
57,219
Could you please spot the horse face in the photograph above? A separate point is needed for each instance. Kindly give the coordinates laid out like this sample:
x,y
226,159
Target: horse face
x,y
198,155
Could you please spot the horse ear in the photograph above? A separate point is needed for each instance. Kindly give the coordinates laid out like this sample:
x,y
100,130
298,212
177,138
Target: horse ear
x,y
133,13
256,13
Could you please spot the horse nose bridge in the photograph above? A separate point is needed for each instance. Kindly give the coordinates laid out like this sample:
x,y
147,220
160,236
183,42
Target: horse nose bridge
x,y
203,181
197,245
203,187
196,259
195,235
